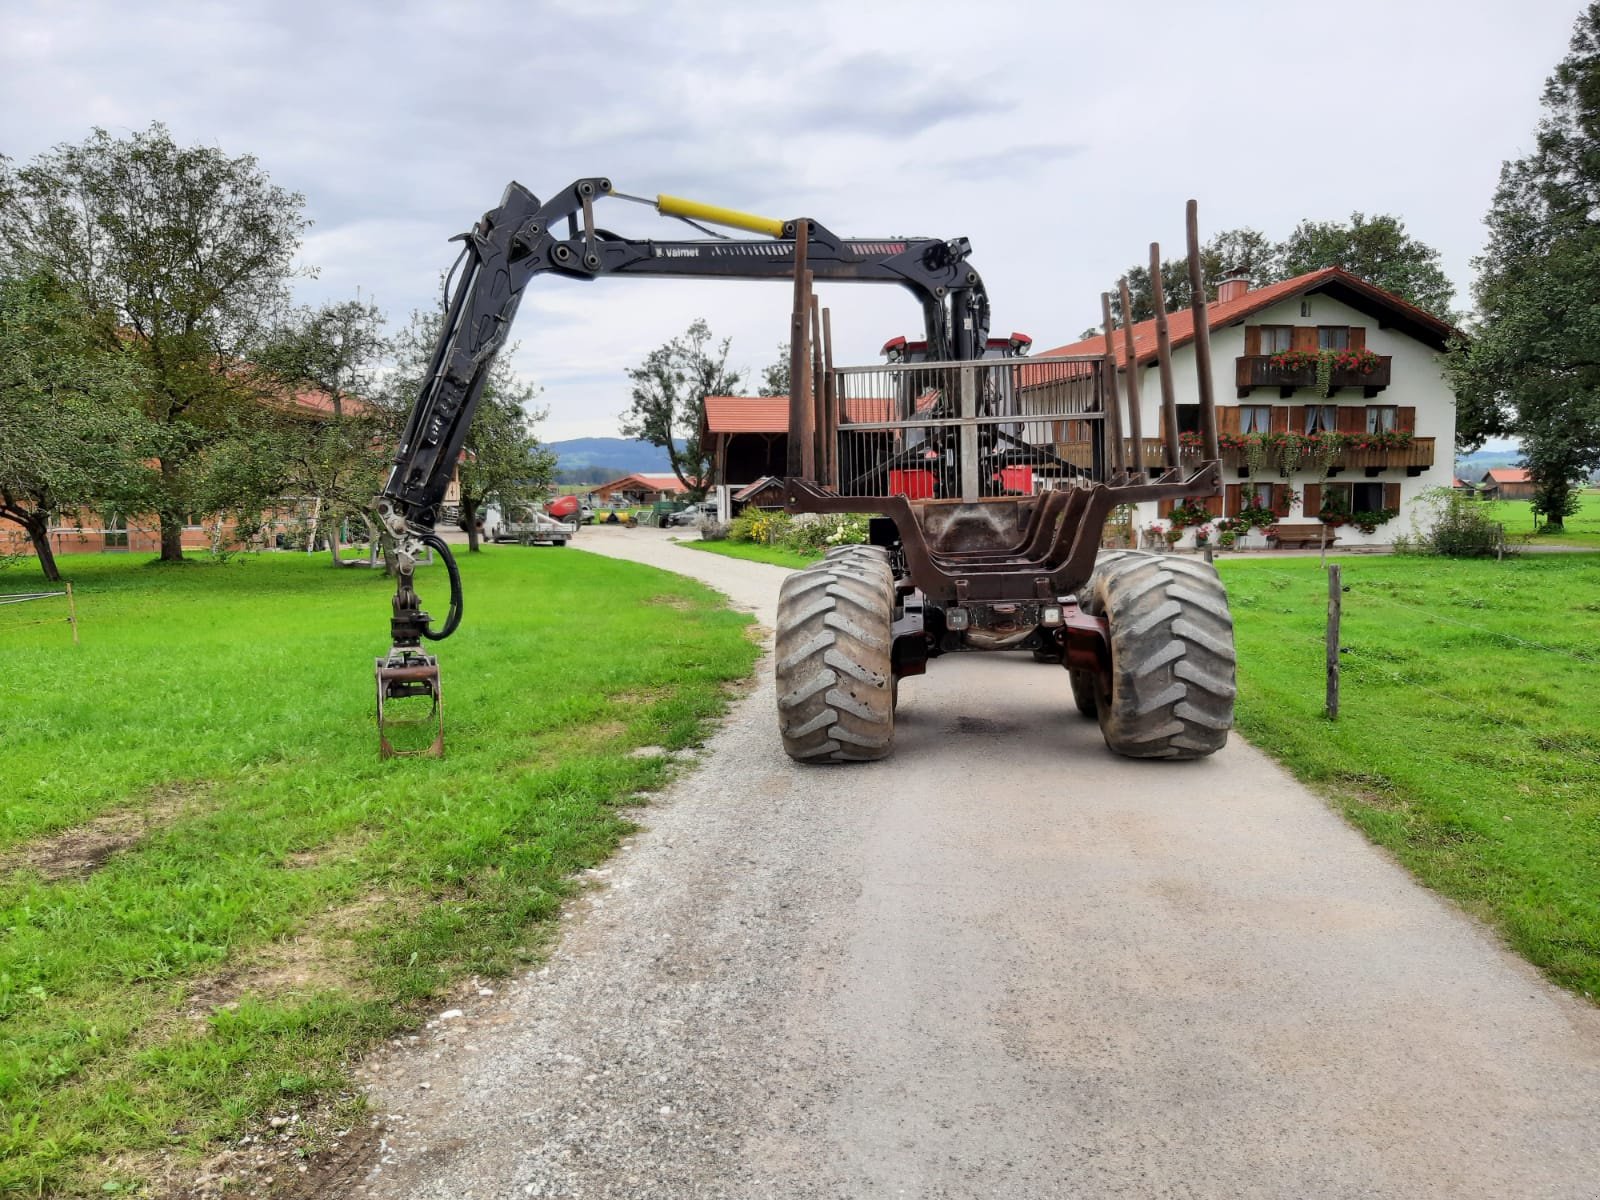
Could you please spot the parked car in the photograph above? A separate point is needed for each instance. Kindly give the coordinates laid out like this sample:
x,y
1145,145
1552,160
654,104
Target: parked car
x,y
695,515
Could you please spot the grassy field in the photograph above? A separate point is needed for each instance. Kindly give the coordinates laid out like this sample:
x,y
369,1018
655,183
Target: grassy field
x,y
755,552
1467,741
1582,529
214,893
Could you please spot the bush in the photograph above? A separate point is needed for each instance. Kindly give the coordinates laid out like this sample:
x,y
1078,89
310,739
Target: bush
x,y
813,537
1460,528
758,525
715,531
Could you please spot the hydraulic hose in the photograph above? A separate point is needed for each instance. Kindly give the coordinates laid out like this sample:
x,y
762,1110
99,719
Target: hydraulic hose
x,y
453,617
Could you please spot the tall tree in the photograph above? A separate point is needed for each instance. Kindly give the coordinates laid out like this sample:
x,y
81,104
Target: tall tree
x,y
1533,367
332,355
184,255
71,433
1380,251
502,461
669,400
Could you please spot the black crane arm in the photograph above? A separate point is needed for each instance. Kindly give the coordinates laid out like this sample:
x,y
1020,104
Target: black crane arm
x,y
523,238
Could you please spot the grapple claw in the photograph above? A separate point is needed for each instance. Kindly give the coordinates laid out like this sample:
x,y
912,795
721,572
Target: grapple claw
x,y
407,675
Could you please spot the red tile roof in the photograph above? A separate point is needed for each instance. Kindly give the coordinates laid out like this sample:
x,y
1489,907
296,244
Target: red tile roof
x,y
747,414
1180,323
1509,475
644,481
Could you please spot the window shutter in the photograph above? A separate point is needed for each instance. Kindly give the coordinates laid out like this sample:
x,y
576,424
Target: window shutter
x,y
1406,420
1391,496
1305,338
1358,337
1280,499
1352,419
1164,508
1214,505
1297,418
1311,499
1230,499
1252,339
1228,418
1280,419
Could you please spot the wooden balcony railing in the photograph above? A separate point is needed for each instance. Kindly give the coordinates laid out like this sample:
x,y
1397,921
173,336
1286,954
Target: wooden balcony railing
x,y
1256,370
1418,455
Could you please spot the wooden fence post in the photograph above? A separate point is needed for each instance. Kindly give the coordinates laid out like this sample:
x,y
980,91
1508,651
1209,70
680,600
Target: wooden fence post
x,y
1335,595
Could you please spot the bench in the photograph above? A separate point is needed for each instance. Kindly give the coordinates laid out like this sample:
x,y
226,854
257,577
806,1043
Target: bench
x,y
1283,537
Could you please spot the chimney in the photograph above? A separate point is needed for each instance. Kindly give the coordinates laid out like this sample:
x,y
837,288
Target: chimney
x,y
1234,285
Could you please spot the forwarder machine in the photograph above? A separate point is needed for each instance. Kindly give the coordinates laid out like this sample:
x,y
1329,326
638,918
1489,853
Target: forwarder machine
x,y
990,475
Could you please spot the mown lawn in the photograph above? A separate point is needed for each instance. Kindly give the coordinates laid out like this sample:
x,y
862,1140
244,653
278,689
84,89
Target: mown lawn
x,y
1467,742
1581,529
756,552
214,894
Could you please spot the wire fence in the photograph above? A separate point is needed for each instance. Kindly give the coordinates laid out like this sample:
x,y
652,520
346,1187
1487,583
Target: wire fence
x,y
71,618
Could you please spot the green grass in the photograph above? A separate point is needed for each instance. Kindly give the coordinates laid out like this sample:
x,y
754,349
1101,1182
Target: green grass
x,y
1581,529
1467,741
290,898
756,552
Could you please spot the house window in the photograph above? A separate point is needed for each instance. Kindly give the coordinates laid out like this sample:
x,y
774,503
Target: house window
x,y
1188,418
1352,497
1382,418
116,531
1321,418
1255,495
1333,337
1255,418
1275,339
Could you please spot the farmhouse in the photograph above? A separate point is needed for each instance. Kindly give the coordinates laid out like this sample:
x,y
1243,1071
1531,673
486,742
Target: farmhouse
x,y
640,488
1330,403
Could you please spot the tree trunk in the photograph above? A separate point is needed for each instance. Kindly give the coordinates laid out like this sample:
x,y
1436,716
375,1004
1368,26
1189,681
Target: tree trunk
x,y
37,527
469,522
171,524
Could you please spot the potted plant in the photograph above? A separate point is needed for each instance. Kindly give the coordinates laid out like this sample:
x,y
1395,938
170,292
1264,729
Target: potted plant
x,y
1202,536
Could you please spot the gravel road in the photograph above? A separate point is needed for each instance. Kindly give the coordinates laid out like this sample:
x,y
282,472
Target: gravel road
x,y
1000,964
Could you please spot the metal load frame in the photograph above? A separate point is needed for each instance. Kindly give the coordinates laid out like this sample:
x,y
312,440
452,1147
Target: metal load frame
x,y
974,534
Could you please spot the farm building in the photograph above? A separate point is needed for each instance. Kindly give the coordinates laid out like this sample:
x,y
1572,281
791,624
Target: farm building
x,y
640,488
1506,483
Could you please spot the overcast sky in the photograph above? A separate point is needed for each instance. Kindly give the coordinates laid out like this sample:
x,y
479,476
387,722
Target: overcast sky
x,y
1060,138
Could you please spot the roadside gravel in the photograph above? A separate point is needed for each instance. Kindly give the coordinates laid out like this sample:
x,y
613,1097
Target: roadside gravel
x,y
1001,963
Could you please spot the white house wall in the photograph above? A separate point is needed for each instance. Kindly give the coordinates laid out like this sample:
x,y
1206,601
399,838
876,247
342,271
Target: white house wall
x,y
1416,380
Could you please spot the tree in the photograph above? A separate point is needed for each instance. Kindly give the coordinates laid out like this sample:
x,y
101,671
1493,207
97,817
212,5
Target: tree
x,y
337,457
180,254
1532,369
1243,249
669,401
71,433
502,461
1380,251
775,375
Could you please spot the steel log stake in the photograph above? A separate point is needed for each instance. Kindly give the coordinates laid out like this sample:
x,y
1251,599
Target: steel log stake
x,y
799,355
1169,399
1131,366
1113,422
830,406
1202,338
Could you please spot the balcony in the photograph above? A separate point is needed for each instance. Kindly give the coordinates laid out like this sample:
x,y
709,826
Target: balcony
x,y
1256,370
1414,457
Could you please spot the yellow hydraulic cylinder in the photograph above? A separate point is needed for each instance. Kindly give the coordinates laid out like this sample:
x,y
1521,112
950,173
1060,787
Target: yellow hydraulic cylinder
x,y
677,206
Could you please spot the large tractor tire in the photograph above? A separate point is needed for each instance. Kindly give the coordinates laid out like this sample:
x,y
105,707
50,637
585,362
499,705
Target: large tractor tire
x,y
1083,682
834,679
1172,657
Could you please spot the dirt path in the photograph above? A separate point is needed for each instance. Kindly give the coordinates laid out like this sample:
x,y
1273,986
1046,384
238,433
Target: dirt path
x,y
1000,964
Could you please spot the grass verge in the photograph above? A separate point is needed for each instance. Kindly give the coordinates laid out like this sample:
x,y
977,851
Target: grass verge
x,y
778,556
1581,529
214,894
1466,743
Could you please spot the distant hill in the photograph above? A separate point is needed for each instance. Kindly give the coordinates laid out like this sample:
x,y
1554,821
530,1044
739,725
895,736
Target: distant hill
x,y
608,457
1472,466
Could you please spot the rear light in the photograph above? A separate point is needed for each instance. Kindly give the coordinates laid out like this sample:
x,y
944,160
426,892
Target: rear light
x,y
1050,614
956,618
